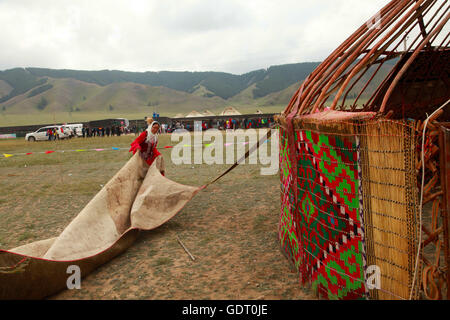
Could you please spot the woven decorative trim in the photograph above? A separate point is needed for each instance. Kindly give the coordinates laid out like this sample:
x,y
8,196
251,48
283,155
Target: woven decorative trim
x,y
352,211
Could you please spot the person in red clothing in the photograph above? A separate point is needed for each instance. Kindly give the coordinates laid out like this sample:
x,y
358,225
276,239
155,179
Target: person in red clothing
x,y
147,143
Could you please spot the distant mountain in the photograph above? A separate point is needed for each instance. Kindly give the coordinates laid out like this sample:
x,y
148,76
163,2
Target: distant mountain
x,y
278,78
71,95
223,85
20,80
40,91
5,88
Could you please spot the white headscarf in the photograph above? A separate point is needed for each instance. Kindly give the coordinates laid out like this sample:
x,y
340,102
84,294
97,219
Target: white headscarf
x,y
152,138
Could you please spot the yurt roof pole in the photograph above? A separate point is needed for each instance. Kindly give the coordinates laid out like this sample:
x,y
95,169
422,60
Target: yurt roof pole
x,y
393,70
372,52
324,65
292,99
295,107
431,21
353,60
397,53
332,63
442,43
448,43
380,64
436,35
375,93
359,47
366,85
336,58
423,30
410,61
385,22
417,22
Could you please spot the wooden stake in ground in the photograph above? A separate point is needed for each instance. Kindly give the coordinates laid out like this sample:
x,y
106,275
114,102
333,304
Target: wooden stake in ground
x,y
185,249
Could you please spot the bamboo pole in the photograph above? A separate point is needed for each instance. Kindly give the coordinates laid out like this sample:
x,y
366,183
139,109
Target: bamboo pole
x,y
185,249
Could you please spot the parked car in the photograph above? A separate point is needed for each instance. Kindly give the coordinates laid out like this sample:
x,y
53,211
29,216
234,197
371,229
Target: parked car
x,y
41,133
74,129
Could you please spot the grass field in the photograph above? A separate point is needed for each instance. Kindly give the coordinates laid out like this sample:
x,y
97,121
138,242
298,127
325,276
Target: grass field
x,y
230,228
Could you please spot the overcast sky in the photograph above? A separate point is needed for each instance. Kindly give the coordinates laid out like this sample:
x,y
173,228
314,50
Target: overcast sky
x,y
175,35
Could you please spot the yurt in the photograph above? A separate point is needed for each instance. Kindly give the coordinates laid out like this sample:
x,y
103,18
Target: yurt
x,y
194,114
230,111
207,113
365,161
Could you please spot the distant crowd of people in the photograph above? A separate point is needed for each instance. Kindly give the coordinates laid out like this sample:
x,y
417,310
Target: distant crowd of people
x,y
230,124
52,134
104,131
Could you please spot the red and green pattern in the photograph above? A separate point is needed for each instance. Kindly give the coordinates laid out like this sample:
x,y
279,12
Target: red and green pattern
x,y
287,226
324,222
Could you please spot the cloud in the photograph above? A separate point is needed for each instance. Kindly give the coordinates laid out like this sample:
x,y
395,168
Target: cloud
x,y
199,16
195,35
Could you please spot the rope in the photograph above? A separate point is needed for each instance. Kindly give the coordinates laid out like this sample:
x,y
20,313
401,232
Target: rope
x,y
121,148
242,159
421,195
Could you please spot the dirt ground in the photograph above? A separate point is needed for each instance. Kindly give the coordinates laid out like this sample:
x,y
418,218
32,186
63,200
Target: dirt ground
x,y
230,228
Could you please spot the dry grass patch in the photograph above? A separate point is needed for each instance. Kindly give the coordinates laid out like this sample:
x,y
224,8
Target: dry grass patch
x,y
230,228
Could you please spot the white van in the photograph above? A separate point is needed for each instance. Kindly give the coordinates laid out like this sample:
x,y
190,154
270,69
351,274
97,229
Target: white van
x,y
74,130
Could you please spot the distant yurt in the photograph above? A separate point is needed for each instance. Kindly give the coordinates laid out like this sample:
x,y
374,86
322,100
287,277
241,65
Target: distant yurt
x,y
194,114
179,115
207,113
365,161
230,111
258,112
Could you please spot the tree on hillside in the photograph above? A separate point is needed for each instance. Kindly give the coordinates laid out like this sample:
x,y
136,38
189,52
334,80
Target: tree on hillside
x,y
42,104
39,90
21,81
149,104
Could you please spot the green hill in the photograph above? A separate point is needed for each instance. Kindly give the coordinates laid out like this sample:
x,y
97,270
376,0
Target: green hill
x,y
5,88
223,85
280,77
20,80
73,100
